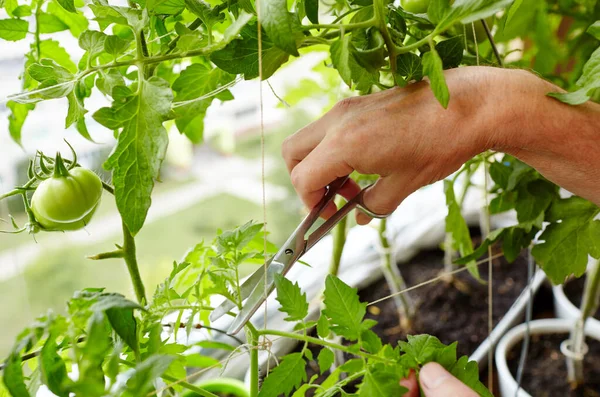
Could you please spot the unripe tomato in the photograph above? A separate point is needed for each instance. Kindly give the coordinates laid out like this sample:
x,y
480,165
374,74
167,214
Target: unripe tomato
x,y
415,6
67,200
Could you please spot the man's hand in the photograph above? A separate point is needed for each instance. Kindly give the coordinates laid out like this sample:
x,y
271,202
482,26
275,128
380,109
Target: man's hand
x,y
436,382
405,136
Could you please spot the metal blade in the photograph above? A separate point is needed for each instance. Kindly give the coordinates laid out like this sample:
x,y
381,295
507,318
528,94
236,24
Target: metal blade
x,y
256,299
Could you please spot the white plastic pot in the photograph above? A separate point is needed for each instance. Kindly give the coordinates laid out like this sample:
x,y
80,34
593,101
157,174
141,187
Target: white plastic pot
x,y
508,384
564,308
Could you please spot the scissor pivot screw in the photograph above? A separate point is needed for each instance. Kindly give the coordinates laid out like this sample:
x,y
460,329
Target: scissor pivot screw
x,y
289,251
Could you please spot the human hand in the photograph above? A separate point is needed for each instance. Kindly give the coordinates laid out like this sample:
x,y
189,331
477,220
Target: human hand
x,y
436,382
406,137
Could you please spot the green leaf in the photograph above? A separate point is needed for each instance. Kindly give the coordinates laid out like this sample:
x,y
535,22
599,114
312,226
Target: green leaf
x,y
343,59
97,345
76,115
93,42
451,51
278,23
16,119
458,229
409,66
370,341
125,325
12,376
115,46
51,49
13,29
141,145
468,373
68,5
311,7
288,375
423,348
437,9
467,11
325,359
512,11
323,327
433,68
572,98
566,245
343,307
57,81
166,7
76,22
293,301
381,381
196,81
589,81
49,23
22,11
241,55
203,11
533,199
593,29
54,370
145,373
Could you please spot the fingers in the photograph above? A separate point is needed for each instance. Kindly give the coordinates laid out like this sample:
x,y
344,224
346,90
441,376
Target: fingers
x,y
437,382
297,146
411,384
321,167
383,197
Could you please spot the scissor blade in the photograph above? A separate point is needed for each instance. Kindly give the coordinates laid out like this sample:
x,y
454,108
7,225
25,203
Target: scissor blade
x,y
260,293
245,290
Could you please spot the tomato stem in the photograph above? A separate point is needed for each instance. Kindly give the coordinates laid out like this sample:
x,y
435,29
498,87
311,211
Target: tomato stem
x,y
253,336
60,170
129,255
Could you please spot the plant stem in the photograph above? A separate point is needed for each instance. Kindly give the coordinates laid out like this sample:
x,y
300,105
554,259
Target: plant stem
x,y
321,342
129,255
38,48
107,255
174,380
379,9
415,45
589,305
345,27
339,240
253,336
395,281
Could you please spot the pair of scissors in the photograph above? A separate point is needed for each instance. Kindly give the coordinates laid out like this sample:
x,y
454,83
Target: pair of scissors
x,y
259,285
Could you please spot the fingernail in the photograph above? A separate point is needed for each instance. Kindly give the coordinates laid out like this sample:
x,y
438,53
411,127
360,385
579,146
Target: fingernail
x,y
433,375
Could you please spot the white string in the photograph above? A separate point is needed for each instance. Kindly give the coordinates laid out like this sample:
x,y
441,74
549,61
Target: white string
x,y
210,94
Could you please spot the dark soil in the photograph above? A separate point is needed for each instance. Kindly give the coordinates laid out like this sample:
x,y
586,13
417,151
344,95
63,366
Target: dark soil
x,y
574,291
545,373
443,310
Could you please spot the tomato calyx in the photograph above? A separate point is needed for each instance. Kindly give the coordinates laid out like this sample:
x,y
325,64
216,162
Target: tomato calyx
x,y
60,170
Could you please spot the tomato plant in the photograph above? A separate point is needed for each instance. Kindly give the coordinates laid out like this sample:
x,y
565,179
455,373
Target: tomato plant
x,y
169,60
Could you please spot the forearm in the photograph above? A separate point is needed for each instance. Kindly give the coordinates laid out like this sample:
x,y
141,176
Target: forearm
x,y
561,141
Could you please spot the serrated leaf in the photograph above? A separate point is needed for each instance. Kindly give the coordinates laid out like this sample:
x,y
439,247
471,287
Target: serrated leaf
x,y
241,56
49,23
97,346
293,301
278,23
52,49
115,45
323,327
457,227
145,373
467,11
451,51
56,80
468,373
76,115
166,7
325,359
370,341
433,68
343,59
288,375
68,5
381,381
125,325
343,308
566,245
54,370
533,199
16,119
141,146
422,348
13,29
12,376
93,42
409,66
196,81
76,22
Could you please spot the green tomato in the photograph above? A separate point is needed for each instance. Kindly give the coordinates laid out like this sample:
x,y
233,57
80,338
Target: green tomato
x,y
67,201
415,6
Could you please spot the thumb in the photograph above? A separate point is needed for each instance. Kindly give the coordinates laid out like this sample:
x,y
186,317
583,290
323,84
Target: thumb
x,y
437,382
383,197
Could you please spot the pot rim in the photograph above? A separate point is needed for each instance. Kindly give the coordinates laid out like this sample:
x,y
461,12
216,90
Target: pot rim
x,y
512,337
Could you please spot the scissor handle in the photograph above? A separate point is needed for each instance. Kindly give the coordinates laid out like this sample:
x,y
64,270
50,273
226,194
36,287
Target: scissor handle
x,y
356,202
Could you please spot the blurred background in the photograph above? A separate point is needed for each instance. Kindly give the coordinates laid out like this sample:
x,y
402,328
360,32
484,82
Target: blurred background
x,y
203,188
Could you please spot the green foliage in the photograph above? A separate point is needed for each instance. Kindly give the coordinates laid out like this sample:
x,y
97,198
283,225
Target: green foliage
x,y
285,377
293,301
